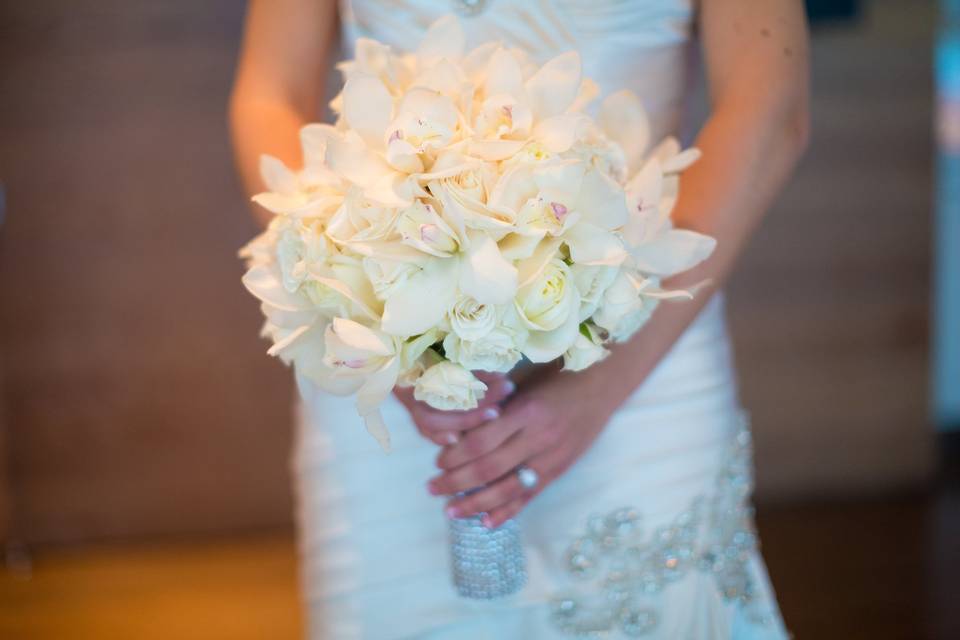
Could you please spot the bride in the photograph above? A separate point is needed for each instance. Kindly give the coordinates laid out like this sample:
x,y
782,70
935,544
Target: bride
x,y
645,454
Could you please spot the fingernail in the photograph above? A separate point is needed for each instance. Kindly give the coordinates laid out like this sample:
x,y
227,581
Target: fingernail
x,y
509,386
432,488
487,521
453,511
491,413
452,438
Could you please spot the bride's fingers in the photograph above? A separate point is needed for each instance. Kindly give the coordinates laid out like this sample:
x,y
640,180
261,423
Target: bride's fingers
x,y
484,469
445,427
499,386
501,514
480,441
502,492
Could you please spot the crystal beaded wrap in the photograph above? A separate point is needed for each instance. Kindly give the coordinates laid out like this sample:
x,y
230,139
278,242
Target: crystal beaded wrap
x,y
486,563
626,568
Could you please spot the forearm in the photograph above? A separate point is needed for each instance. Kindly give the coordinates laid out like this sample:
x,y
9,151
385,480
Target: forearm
x,y
278,85
746,160
258,128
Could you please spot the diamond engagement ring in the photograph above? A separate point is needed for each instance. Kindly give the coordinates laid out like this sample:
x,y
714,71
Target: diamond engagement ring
x,y
528,477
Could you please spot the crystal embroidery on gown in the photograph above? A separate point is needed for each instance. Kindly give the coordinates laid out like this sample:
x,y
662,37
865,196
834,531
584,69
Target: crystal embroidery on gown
x,y
649,534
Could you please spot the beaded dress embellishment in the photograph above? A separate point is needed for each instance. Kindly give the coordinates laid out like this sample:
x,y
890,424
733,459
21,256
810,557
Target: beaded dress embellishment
x,y
469,7
626,568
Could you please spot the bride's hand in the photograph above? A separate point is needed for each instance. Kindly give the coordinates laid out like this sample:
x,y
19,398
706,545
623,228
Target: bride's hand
x,y
446,427
546,426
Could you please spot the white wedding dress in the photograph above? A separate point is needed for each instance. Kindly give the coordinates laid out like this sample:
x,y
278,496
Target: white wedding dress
x,y
663,491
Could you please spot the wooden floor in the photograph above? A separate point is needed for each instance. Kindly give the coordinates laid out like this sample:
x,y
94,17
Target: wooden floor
x,y
238,589
851,571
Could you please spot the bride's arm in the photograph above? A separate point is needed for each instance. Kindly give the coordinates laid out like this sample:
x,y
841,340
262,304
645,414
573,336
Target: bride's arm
x,y
277,89
756,57
757,72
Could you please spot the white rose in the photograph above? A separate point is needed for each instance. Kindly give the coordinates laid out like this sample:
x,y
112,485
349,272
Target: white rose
x,y
623,309
497,351
449,387
471,320
586,350
545,303
592,281
359,221
549,307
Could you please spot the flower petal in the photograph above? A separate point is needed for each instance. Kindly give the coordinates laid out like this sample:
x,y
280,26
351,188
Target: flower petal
x,y
266,283
544,346
276,176
590,244
673,251
367,107
587,93
484,274
624,120
682,160
420,303
555,85
348,156
504,75
444,39
602,201
355,340
494,150
376,388
313,141
557,134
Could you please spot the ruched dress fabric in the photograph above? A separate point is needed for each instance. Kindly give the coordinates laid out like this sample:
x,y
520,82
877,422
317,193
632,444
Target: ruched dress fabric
x,y
373,542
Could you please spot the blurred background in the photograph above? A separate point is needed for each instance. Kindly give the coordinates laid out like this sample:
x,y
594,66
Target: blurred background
x,y
144,435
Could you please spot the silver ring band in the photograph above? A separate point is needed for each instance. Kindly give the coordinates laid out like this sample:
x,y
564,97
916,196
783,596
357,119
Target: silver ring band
x,y
528,477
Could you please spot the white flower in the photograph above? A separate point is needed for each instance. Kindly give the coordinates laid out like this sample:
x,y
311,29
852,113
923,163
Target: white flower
x,y
516,109
449,387
313,192
376,59
655,246
587,350
472,320
300,248
567,199
624,309
387,275
549,306
425,124
498,350
416,357
369,356
421,227
360,221
423,300
592,282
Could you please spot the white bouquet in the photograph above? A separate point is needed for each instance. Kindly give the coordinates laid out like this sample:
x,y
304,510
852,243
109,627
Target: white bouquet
x,y
464,212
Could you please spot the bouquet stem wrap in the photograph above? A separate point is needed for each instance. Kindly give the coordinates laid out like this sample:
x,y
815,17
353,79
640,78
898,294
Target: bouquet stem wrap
x,y
486,563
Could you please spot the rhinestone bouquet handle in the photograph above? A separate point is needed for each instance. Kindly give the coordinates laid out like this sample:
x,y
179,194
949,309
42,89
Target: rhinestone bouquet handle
x,y
486,563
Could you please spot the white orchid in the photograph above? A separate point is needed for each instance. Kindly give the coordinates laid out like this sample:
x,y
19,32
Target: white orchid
x,y
464,213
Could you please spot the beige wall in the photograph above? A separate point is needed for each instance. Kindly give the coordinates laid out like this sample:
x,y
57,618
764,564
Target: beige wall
x,y
137,396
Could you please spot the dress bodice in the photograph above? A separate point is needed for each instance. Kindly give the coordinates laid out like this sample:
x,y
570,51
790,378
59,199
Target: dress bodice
x,y
642,45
